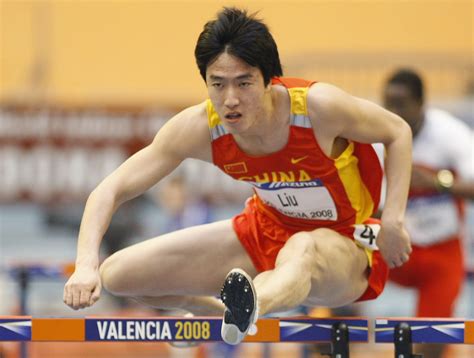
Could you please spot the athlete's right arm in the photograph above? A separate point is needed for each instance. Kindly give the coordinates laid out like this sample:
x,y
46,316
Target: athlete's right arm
x,y
184,136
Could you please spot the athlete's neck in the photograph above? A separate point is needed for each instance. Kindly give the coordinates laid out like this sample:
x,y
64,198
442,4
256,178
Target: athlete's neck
x,y
269,133
419,124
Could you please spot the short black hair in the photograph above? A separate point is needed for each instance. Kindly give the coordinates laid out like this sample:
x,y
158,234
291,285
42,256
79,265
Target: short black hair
x,y
241,35
411,79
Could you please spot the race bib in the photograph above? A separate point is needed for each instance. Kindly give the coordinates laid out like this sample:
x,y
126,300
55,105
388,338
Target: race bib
x,y
304,200
431,219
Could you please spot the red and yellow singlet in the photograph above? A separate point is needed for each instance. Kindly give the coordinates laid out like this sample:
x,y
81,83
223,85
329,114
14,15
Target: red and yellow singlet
x,y
300,188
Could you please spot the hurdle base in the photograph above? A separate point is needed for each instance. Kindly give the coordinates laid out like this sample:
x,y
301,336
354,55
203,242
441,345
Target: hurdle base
x,y
403,342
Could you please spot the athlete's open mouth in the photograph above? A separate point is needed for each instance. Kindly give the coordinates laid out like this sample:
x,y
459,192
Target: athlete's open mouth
x,y
233,116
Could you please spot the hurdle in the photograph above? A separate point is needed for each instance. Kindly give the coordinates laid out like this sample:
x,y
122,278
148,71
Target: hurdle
x,y
26,272
338,331
403,332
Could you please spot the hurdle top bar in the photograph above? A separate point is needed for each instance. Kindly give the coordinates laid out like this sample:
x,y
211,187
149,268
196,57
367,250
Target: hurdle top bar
x,y
153,329
425,330
39,270
292,329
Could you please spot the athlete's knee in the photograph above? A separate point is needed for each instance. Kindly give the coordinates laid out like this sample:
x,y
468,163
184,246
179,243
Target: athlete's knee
x,y
319,251
301,251
319,245
300,245
112,275
330,245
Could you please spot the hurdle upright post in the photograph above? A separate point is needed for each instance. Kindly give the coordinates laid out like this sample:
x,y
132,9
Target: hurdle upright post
x,y
340,340
403,342
23,276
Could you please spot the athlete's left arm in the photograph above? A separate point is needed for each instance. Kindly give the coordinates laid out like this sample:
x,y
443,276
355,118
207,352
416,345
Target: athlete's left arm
x,y
338,114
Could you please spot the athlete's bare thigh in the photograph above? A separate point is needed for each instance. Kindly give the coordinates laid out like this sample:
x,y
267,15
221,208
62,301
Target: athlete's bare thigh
x,y
191,261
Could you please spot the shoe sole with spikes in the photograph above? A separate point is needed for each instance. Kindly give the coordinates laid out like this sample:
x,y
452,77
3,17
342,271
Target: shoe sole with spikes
x,y
240,315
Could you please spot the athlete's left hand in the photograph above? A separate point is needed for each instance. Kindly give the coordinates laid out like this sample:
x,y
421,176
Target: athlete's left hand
x,y
393,242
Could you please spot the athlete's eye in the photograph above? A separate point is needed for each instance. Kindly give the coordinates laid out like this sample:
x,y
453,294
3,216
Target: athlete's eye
x,y
245,84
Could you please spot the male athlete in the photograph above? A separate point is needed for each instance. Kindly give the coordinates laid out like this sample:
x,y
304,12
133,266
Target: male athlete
x,y
303,238
443,174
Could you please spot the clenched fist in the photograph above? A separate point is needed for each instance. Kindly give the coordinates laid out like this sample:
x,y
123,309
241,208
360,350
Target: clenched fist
x,y
83,288
394,245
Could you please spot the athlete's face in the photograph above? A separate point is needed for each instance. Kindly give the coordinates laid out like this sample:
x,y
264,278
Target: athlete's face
x,y
237,92
399,100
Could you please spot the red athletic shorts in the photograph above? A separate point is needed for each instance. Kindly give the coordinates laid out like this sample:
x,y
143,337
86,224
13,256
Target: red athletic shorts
x,y
262,237
437,272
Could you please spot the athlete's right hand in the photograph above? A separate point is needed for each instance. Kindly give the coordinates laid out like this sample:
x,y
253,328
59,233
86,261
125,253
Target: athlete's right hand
x,y
393,242
83,288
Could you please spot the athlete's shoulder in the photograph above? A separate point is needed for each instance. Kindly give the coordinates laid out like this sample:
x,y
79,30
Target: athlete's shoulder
x,y
327,101
325,91
193,112
187,132
190,118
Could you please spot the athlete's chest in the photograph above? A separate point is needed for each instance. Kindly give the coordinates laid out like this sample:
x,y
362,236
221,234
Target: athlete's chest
x,y
299,160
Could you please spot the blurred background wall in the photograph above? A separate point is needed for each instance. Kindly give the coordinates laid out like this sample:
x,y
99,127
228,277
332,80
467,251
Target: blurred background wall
x,y
84,84
141,52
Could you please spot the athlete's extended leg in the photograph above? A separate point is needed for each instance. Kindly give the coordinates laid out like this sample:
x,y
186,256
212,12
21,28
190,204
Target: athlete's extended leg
x,y
197,305
176,270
